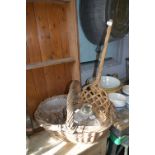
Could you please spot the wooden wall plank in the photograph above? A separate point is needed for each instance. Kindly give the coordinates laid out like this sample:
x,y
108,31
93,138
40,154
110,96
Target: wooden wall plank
x,y
71,15
32,35
58,29
27,54
43,31
51,40
49,37
56,85
33,94
61,79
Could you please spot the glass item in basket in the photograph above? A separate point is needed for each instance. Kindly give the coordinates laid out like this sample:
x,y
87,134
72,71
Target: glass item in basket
x,y
85,116
86,109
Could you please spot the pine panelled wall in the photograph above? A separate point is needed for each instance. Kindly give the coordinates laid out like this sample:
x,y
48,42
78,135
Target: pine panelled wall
x,y
52,53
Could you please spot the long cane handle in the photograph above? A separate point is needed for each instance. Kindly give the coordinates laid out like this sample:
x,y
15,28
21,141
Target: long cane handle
x,y
104,51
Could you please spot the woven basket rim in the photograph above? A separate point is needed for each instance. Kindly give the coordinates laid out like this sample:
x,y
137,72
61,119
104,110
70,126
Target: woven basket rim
x,y
39,119
50,98
50,126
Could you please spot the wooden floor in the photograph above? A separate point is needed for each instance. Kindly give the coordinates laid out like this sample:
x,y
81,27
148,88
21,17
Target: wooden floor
x,y
44,144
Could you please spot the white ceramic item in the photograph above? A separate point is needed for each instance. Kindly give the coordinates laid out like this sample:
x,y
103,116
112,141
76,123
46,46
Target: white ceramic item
x,y
109,82
125,89
117,99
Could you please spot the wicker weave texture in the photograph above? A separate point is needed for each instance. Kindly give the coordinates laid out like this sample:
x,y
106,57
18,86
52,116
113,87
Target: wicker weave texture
x,y
98,98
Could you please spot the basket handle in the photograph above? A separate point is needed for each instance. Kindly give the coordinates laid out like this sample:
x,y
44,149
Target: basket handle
x,y
72,97
104,51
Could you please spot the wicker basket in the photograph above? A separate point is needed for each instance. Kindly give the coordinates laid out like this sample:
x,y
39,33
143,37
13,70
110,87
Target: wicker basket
x,y
85,134
51,115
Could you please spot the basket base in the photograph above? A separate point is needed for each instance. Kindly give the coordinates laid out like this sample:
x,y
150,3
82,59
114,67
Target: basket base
x,y
86,138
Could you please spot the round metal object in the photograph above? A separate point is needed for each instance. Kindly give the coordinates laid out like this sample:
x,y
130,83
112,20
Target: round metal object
x,y
95,13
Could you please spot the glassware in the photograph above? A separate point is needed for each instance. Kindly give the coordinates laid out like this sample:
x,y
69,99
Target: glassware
x,y
85,116
87,109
